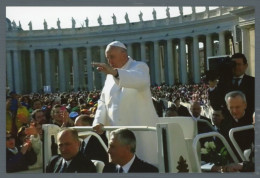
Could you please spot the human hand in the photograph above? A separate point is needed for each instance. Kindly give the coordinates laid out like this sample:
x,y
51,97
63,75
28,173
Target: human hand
x,y
32,130
98,128
235,167
26,147
103,67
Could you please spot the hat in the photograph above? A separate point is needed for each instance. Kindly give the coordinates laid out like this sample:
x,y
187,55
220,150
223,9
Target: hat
x,y
73,115
117,44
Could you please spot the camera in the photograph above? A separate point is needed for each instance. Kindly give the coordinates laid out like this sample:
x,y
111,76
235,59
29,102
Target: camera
x,y
219,67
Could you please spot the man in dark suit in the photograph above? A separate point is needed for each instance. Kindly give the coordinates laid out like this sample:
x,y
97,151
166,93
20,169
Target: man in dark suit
x,y
122,145
236,104
71,159
90,146
240,81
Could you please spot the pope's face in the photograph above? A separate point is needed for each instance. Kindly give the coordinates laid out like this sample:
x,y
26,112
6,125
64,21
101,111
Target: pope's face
x,y
116,57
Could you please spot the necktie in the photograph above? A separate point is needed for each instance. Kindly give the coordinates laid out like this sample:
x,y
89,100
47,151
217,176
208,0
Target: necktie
x,y
82,149
236,82
120,170
64,167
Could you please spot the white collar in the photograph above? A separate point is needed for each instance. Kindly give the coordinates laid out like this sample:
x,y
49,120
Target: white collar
x,y
67,162
127,166
127,63
13,150
240,77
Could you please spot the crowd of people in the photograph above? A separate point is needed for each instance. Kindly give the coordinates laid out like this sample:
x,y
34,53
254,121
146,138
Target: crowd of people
x,y
123,96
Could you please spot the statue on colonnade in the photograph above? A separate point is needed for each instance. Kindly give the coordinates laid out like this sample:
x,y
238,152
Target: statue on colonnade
x,y
20,26
73,22
154,14
58,23
114,19
168,12
141,16
181,10
30,25
45,25
86,21
14,24
127,18
100,20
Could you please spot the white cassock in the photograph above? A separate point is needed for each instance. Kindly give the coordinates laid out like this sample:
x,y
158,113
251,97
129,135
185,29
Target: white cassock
x,y
127,101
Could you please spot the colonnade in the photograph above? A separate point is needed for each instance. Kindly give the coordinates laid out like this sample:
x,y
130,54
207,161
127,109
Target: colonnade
x,y
69,68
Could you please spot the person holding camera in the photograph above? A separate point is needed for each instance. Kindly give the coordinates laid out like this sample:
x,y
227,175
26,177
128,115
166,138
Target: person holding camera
x,y
239,81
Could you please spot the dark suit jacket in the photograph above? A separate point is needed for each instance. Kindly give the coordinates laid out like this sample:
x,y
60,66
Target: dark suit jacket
x,y
244,138
138,166
247,86
78,164
95,151
183,111
19,162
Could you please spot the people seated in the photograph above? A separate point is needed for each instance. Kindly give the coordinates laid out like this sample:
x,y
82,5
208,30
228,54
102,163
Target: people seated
x,y
122,145
18,158
71,159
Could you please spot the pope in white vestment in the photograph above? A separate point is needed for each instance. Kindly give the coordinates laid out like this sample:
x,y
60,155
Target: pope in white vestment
x,y
126,100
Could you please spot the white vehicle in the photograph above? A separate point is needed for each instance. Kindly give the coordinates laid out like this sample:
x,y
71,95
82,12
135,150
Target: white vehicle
x,y
177,137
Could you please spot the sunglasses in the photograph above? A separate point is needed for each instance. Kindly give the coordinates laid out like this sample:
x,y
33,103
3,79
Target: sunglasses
x,y
9,138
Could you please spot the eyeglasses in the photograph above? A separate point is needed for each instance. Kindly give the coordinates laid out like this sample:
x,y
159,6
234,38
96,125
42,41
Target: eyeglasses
x,y
9,138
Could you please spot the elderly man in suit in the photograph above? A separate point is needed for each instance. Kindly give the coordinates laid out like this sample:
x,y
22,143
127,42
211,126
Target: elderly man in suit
x,y
122,146
71,159
239,116
126,97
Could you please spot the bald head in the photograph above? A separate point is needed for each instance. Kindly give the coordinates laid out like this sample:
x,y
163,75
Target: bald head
x,y
195,109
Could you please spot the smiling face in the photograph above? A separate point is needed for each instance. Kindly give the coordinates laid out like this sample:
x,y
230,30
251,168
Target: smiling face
x,y
116,57
10,141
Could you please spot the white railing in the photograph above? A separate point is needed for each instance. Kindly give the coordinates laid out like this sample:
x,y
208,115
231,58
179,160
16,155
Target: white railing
x,y
234,142
211,134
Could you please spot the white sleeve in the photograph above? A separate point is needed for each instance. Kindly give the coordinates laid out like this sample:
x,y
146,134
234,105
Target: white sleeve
x,y
101,113
137,77
36,143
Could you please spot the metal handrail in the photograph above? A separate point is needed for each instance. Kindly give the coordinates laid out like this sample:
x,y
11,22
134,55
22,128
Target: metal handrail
x,y
96,135
210,134
111,128
234,142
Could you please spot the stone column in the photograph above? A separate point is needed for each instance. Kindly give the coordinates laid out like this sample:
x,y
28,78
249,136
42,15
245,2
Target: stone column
x,y
196,60
208,45
129,49
222,46
9,70
75,69
103,60
89,69
62,83
143,56
47,68
183,62
156,63
245,42
17,72
170,62
33,71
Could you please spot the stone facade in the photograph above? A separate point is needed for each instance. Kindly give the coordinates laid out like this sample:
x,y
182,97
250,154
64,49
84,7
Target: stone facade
x,y
175,48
